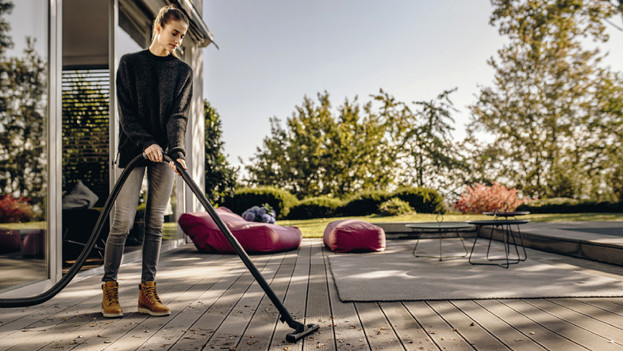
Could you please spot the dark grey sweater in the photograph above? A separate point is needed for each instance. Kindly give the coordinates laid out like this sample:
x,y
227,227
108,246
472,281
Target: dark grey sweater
x,y
154,95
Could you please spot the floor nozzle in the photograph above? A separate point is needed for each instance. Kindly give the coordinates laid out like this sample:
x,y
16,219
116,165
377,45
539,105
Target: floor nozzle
x,y
299,334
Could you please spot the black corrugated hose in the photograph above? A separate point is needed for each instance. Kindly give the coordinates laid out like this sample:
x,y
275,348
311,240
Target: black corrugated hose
x,y
301,330
75,268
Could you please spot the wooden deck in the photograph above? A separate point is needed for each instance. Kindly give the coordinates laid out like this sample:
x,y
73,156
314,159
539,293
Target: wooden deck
x,y
216,305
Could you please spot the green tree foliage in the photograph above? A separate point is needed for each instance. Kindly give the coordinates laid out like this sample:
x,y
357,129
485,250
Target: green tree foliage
x,y
23,126
554,113
85,131
424,143
5,39
358,147
220,176
319,153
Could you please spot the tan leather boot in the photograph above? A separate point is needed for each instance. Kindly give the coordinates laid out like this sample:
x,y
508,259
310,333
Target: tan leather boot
x,y
149,302
110,299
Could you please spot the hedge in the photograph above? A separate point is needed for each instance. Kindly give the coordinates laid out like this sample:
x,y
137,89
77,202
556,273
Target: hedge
x,y
568,205
280,200
364,203
315,207
422,200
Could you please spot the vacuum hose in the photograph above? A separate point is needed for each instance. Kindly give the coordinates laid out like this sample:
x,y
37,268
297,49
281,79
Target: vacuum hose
x,y
300,330
82,258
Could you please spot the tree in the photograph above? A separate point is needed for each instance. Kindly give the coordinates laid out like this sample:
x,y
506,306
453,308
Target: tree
x,y
319,153
555,114
432,157
5,39
220,176
23,126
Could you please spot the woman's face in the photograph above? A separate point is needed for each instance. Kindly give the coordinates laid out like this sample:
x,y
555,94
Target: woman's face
x,y
170,37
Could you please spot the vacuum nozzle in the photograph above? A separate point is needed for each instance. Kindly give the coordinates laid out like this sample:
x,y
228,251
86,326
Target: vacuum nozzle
x,y
301,332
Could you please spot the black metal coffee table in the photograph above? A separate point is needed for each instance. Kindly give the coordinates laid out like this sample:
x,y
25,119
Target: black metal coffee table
x,y
440,227
509,240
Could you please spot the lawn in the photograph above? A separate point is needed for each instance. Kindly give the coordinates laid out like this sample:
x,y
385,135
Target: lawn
x,y
313,228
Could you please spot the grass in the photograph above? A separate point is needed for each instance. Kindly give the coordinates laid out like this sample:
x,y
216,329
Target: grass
x,y
313,228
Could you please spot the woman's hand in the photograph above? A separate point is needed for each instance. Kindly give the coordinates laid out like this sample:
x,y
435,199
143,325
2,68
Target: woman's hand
x,y
181,162
154,152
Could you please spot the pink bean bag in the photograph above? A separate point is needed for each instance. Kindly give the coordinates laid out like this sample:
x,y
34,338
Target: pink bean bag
x,y
254,237
350,235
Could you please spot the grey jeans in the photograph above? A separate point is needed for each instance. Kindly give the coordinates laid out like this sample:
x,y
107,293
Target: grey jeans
x,y
159,185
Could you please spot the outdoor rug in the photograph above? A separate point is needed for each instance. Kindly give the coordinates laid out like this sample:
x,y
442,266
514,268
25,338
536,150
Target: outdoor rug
x,y
396,275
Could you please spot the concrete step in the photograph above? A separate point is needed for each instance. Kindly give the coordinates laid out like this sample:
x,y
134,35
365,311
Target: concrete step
x,y
597,241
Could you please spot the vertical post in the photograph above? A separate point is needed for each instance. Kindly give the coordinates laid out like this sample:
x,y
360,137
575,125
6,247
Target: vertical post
x,y
113,117
54,143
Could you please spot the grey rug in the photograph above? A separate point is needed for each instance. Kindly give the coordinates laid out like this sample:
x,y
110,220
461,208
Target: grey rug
x,y
396,275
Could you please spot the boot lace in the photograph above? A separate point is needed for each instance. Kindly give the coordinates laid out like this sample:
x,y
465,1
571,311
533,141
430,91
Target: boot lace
x,y
150,294
112,295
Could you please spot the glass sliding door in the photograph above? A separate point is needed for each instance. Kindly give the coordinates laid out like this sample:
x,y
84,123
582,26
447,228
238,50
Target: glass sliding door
x,y
85,126
24,94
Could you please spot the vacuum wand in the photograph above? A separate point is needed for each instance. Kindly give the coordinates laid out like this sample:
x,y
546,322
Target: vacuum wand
x,y
301,330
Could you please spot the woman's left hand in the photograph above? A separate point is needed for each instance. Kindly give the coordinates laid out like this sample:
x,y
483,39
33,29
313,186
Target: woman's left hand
x,y
181,162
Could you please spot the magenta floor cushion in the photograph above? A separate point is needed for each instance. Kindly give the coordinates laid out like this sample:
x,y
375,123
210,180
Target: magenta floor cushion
x,y
349,235
254,237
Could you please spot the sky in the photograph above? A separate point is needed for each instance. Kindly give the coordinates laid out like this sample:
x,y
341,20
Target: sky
x,y
272,53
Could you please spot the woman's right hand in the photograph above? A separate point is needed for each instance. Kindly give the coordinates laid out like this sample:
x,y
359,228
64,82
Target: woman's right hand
x,y
154,152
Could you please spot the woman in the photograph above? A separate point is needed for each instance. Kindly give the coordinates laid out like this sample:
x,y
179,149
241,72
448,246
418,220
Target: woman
x,y
154,90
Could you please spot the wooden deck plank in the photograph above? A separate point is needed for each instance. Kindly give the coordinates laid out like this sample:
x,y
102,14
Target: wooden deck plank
x,y
259,331
111,330
178,326
529,328
579,320
233,327
607,317
94,328
318,309
612,305
70,315
410,333
379,333
295,300
143,327
479,338
216,308
561,327
348,331
507,334
216,305
438,330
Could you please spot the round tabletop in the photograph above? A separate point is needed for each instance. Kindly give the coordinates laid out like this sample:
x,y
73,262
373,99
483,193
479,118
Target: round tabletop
x,y
499,222
440,225
507,214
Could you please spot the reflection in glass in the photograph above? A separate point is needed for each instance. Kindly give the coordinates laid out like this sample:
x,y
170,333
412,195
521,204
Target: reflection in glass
x,y
23,157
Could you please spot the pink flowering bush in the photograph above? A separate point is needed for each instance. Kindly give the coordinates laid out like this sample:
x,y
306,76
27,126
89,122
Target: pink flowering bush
x,y
15,209
481,198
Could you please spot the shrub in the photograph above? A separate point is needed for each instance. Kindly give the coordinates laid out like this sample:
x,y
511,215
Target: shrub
x,y
422,200
568,205
395,207
315,207
280,200
364,204
15,209
481,198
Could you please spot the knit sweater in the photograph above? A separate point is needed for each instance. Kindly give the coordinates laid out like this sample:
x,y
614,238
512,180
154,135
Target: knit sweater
x,y
154,97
